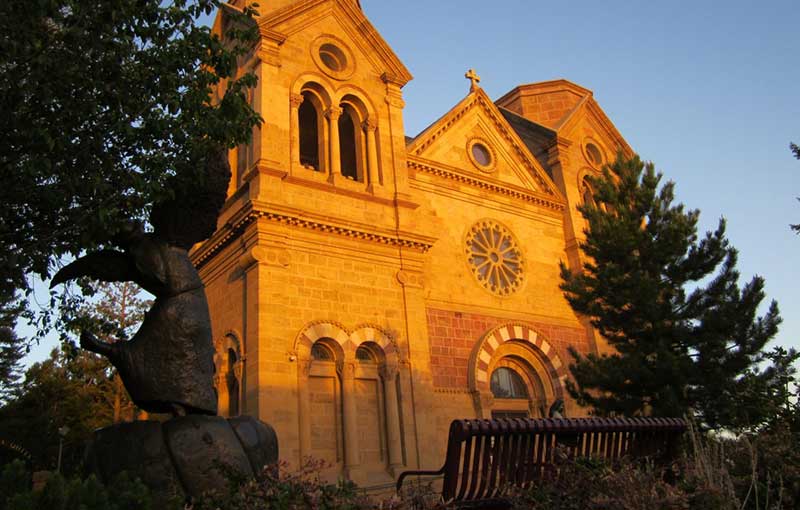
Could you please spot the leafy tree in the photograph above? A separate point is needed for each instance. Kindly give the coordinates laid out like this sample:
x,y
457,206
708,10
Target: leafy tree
x,y
104,102
687,338
68,389
75,388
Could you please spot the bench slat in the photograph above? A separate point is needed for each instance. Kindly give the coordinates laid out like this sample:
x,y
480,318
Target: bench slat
x,y
485,456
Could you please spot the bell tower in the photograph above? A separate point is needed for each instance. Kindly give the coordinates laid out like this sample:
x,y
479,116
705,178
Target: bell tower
x,y
320,242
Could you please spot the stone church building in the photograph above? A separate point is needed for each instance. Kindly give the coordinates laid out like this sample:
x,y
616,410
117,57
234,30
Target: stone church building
x,y
366,287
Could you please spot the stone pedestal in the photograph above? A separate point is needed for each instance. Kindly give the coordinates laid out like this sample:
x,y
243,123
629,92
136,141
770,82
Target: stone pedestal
x,y
184,456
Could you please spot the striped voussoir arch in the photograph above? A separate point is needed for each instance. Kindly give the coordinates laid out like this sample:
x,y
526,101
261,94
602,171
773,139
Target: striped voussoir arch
x,y
349,341
371,333
519,333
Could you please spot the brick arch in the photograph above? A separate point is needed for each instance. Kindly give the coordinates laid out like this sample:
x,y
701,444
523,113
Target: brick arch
x,y
371,333
478,376
321,329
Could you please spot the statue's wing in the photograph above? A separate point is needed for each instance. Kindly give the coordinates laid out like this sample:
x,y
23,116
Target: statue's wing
x,y
191,216
104,265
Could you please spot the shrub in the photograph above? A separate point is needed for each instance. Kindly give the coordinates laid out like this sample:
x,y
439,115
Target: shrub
x,y
587,483
276,488
68,494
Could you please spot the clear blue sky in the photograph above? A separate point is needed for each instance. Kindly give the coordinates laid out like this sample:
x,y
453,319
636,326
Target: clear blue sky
x,y
707,90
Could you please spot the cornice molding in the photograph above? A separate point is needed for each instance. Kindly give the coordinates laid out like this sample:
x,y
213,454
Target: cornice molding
x,y
433,168
233,229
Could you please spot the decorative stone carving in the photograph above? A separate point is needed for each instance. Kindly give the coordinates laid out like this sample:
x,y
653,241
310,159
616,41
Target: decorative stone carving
x,y
295,100
370,124
333,113
389,373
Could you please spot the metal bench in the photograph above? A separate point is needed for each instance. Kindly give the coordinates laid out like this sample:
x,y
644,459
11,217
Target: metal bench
x,y
485,456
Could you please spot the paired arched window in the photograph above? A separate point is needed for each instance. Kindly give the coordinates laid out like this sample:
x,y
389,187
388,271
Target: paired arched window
x,y
320,122
331,383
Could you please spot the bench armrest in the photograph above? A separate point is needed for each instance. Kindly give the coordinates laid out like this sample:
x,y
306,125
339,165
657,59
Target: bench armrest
x,y
416,473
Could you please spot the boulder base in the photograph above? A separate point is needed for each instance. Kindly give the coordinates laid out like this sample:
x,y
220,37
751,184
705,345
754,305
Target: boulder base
x,y
184,456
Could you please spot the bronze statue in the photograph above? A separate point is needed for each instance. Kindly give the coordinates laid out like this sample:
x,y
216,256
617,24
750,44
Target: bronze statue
x,y
168,364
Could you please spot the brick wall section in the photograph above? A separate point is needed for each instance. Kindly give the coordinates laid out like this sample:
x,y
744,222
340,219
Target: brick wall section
x,y
549,109
453,335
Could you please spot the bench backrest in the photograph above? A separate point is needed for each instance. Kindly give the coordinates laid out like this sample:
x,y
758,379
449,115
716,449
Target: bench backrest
x,y
483,456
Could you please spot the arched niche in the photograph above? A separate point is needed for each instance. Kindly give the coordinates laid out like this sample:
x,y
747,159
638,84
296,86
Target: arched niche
x,y
228,374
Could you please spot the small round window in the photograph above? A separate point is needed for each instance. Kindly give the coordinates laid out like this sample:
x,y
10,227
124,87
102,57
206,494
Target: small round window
x,y
593,154
333,57
481,155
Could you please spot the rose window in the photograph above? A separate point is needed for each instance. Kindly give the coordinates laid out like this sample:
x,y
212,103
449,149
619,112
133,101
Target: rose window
x,y
495,257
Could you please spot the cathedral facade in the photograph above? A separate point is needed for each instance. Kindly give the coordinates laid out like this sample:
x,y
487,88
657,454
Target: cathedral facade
x,y
367,287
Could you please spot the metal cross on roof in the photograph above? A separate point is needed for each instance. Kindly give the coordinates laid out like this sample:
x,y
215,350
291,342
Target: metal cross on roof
x,y
473,78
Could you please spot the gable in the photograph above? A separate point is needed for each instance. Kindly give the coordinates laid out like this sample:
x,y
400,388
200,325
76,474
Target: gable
x,y
350,22
475,121
589,123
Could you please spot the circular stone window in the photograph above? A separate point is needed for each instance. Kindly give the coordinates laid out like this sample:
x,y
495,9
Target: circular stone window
x,y
494,257
332,57
481,155
593,154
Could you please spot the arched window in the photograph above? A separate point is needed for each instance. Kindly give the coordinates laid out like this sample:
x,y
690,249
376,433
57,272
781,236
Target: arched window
x,y
319,352
309,120
233,384
506,383
587,195
348,144
364,355
228,374
347,391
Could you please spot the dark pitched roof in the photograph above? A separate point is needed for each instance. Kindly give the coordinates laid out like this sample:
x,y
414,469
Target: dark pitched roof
x,y
409,139
535,136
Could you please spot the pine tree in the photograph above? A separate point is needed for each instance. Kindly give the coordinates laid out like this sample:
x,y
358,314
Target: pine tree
x,y
11,346
117,310
11,353
687,338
